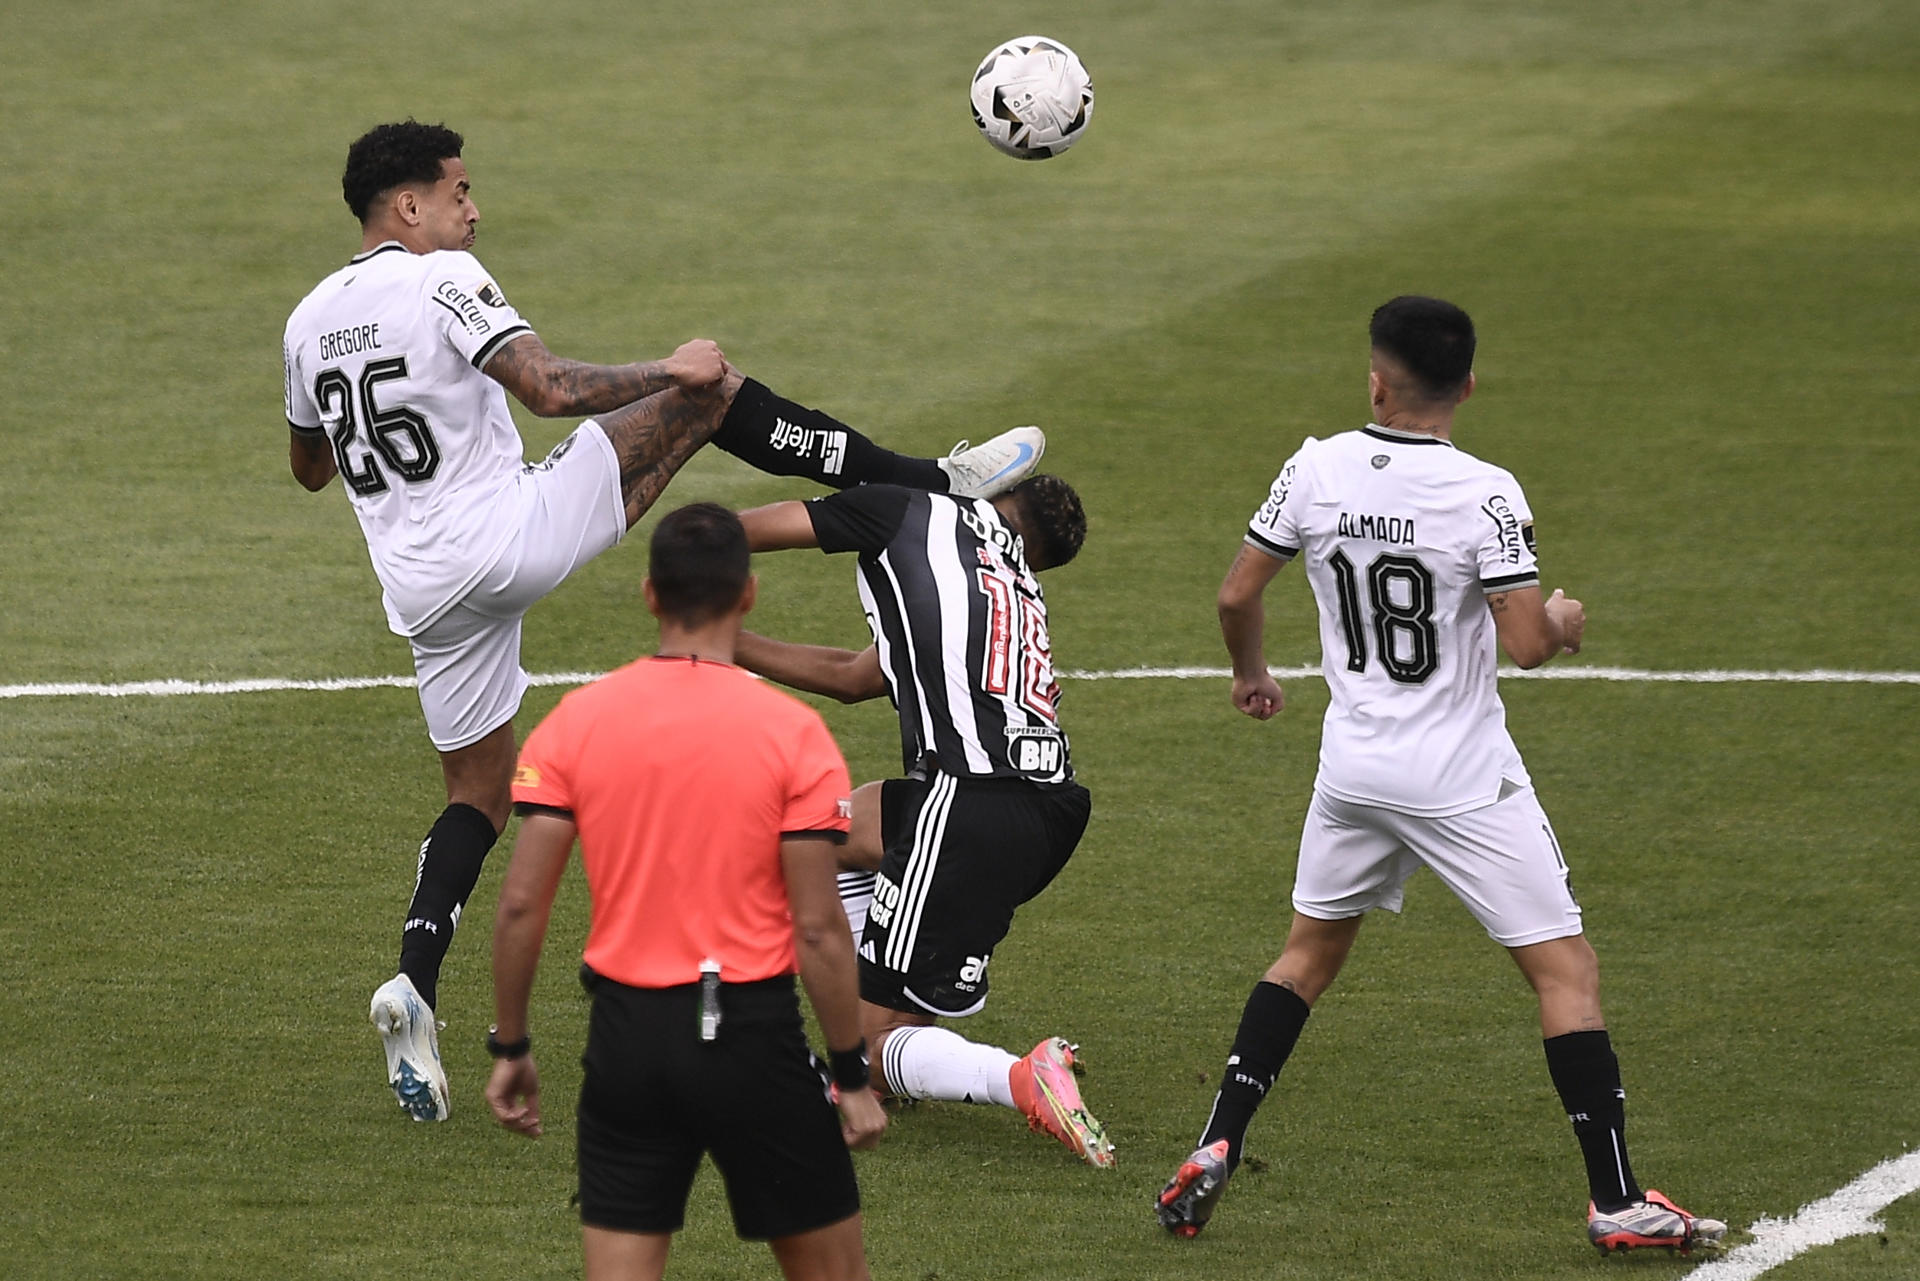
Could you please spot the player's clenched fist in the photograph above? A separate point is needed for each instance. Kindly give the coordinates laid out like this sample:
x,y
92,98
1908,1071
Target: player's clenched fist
x,y
1572,617
696,363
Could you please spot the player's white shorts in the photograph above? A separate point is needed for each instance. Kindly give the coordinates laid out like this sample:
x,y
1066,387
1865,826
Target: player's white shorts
x,y
566,510
1501,860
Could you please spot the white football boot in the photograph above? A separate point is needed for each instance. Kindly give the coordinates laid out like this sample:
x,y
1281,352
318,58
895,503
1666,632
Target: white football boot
x,y
412,1042
990,469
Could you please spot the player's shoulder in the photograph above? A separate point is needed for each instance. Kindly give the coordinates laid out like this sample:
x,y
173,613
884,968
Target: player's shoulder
x,y
1483,472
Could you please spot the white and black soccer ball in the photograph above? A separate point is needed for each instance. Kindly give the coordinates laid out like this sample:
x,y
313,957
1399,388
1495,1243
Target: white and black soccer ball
x,y
1032,98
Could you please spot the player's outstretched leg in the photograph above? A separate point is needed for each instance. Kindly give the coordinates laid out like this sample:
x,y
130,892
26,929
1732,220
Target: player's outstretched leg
x,y
653,438
925,1062
783,438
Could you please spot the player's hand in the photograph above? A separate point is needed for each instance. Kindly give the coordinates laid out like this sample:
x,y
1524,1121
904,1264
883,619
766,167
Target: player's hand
x,y
698,363
1259,697
1572,618
513,1092
862,1119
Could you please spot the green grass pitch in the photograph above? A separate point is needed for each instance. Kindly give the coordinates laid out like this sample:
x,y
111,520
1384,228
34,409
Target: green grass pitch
x,y
1690,235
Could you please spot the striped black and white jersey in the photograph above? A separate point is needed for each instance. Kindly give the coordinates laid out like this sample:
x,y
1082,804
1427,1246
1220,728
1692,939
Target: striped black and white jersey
x,y
961,627
1403,538
385,358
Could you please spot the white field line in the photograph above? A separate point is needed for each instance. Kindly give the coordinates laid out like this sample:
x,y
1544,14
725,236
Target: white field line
x,y
266,685
1847,1213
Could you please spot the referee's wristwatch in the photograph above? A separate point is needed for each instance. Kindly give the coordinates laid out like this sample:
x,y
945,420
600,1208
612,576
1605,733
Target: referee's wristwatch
x,y
508,1049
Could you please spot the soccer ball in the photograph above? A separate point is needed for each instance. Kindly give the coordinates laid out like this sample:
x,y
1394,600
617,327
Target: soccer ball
x,y
1032,98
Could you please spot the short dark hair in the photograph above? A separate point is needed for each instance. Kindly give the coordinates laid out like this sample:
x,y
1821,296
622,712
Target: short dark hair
x,y
1051,516
1431,338
389,156
698,562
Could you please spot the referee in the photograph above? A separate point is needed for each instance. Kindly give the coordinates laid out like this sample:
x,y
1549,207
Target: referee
x,y
709,808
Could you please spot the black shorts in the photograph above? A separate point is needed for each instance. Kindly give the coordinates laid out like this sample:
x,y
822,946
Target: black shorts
x,y
961,855
654,1098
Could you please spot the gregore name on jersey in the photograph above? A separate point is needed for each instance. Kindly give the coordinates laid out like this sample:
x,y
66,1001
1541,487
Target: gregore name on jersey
x,y
384,357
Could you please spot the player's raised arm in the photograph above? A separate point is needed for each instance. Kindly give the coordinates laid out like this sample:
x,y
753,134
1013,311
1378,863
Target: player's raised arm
x,y
852,676
1243,627
555,387
1532,630
779,527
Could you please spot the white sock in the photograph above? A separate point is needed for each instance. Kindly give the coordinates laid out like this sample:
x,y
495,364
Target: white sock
x,y
856,895
933,1063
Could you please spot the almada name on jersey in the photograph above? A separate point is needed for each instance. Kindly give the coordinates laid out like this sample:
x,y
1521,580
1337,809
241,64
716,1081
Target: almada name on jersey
x,y
1404,537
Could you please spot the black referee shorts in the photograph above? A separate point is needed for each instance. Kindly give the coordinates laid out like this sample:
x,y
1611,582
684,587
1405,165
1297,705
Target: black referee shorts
x,y
961,855
654,1098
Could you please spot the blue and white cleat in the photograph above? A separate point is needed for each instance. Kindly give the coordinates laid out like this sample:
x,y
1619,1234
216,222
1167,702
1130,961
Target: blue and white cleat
x,y
990,469
412,1042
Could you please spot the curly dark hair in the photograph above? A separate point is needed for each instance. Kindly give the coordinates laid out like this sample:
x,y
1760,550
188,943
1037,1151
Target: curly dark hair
x,y
1432,338
389,156
1051,517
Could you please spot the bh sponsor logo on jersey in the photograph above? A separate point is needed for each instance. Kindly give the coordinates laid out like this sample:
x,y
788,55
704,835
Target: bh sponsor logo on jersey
x,y
886,901
462,305
829,446
1504,519
1379,529
1035,749
973,973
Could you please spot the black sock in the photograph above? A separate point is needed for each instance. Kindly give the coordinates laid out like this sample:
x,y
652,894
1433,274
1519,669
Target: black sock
x,y
1269,1025
1587,1075
450,860
784,439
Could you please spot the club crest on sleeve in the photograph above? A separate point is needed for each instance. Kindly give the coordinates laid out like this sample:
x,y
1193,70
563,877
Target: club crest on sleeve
x,y
491,295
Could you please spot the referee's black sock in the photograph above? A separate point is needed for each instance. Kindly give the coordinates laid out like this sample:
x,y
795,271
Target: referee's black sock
x,y
450,860
781,438
1587,1076
1269,1026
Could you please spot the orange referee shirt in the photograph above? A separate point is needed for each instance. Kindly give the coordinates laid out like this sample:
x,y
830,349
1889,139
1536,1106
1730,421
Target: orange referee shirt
x,y
681,777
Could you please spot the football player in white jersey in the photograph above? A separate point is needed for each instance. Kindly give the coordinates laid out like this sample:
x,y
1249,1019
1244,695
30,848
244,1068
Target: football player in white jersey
x,y
398,367
1421,561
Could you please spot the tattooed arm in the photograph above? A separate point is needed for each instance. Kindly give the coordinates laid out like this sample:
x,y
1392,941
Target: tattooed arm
x,y
1533,630
554,387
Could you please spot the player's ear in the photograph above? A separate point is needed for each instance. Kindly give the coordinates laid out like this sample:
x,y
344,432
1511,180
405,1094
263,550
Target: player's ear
x,y
652,597
749,592
1376,391
406,203
1467,390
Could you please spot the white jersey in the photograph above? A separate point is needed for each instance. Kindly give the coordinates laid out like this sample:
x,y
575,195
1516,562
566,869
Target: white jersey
x,y
385,358
1405,536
